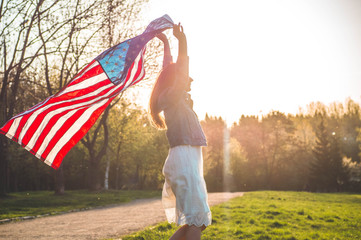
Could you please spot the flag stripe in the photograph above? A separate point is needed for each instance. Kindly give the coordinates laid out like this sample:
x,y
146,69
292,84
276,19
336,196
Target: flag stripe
x,y
40,113
78,135
57,114
62,131
45,115
54,116
91,81
132,70
7,127
24,124
12,129
91,70
141,70
71,127
89,65
38,144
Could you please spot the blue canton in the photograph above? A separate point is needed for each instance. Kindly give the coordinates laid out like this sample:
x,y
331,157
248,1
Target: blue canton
x,y
113,61
117,60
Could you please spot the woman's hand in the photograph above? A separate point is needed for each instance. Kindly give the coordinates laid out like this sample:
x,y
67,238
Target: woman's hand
x,y
178,32
162,37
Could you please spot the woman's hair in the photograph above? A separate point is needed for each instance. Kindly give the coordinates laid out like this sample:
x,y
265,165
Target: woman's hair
x,y
165,79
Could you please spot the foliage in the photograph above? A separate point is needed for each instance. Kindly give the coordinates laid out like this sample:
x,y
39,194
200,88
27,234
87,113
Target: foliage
x,y
138,150
272,152
328,172
213,154
45,202
285,152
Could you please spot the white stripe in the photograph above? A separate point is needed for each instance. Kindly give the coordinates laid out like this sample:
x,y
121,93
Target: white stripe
x,y
72,130
47,118
11,133
35,114
39,105
85,84
141,74
133,71
49,115
96,63
46,100
53,131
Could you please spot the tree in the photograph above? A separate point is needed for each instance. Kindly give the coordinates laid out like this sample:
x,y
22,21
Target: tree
x,y
137,150
304,138
239,165
249,133
327,172
350,122
277,147
214,153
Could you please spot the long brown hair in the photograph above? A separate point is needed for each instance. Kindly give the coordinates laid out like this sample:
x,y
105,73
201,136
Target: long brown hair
x,y
165,79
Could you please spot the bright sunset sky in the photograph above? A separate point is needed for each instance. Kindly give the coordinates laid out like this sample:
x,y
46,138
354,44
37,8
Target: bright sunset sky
x,y
249,57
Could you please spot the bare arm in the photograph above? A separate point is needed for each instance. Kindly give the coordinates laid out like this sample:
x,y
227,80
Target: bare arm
x,y
167,58
182,48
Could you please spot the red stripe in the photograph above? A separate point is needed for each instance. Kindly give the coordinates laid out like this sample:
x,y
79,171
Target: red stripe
x,y
31,109
6,127
128,74
51,99
21,125
39,119
54,119
61,90
91,73
35,124
140,68
77,136
65,127
47,129
80,92
84,69
50,124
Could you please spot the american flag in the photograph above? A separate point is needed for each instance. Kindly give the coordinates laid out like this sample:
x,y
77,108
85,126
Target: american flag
x,y
52,127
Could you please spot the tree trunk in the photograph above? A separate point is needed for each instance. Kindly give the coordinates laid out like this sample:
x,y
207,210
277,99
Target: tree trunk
x,y
106,177
117,178
59,181
93,178
3,166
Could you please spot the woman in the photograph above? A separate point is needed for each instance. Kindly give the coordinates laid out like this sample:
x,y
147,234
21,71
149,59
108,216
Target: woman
x,y
184,194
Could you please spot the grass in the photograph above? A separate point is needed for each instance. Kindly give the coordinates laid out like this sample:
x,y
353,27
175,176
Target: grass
x,y
267,215
45,202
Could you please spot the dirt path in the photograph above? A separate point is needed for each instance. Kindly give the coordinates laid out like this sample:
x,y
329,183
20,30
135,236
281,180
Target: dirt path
x,y
107,222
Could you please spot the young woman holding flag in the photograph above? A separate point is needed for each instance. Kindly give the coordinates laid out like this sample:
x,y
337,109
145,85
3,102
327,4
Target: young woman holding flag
x,y
184,195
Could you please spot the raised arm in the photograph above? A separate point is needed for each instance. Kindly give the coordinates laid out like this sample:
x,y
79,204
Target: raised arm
x,y
167,58
182,60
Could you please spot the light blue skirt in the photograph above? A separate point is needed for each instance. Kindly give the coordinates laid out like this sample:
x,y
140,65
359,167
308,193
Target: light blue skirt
x,y
184,195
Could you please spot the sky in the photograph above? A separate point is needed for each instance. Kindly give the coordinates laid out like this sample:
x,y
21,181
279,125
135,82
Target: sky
x,y
254,56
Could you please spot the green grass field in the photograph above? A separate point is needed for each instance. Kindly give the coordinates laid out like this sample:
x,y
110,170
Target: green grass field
x,y
277,215
45,202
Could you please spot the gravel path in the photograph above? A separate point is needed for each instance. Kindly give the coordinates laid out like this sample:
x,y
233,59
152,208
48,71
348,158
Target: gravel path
x,y
101,223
